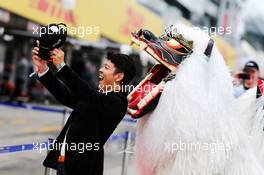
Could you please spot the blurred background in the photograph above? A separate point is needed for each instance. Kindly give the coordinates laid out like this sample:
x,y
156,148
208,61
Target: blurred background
x,y
96,27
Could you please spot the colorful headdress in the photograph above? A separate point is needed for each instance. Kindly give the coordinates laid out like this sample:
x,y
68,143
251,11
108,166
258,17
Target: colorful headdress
x,y
170,49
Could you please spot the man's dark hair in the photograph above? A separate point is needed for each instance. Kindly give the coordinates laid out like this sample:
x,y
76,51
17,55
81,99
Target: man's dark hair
x,y
124,64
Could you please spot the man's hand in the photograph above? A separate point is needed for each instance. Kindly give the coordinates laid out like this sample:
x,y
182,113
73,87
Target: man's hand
x,y
57,57
40,65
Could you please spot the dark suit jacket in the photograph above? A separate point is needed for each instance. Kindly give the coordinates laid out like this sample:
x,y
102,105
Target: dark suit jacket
x,y
95,116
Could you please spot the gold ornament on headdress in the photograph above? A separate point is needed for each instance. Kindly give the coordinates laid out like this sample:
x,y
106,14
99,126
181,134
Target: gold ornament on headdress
x,y
174,38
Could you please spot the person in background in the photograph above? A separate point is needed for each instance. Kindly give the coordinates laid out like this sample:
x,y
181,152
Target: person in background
x,y
248,78
21,76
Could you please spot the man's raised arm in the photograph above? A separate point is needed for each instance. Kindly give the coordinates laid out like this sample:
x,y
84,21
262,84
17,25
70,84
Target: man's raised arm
x,y
49,80
80,88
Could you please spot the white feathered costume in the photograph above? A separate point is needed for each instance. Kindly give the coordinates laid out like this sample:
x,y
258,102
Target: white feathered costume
x,y
194,129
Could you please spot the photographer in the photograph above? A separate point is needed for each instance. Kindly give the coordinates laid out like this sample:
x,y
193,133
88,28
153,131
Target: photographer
x,y
95,114
249,78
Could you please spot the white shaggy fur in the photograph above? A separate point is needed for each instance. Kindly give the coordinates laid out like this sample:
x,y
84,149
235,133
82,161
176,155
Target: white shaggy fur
x,y
257,130
252,119
196,117
246,108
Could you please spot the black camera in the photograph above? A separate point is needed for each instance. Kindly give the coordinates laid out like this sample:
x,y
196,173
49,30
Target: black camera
x,y
244,76
50,37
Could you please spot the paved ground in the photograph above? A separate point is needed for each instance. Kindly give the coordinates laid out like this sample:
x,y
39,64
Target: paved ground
x,y
23,126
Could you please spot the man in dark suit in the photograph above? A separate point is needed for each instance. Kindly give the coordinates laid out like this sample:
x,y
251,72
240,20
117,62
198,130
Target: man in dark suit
x,y
96,113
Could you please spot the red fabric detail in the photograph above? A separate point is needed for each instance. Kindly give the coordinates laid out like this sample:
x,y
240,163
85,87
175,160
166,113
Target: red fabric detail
x,y
261,86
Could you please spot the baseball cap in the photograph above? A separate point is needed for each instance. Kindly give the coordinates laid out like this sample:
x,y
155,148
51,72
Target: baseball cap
x,y
251,65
